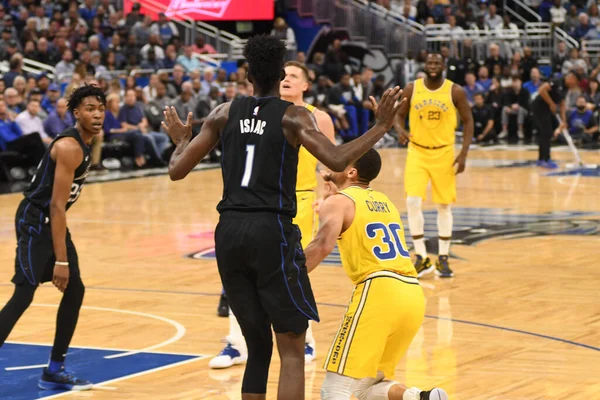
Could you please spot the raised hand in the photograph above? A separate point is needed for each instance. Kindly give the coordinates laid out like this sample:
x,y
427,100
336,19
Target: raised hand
x,y
385,111
176,130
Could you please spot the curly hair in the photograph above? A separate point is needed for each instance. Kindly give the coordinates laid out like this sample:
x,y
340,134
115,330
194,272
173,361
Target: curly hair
x,y
81,93
265,55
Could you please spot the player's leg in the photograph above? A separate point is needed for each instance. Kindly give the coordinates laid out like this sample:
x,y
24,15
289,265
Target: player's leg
x,y
14,309
241,285
416,179
406,302
286,295
55,376
235,351
34,252
443,183
307,221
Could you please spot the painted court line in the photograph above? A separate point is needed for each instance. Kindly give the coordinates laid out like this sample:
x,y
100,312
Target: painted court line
x,y
180,329
24,367
177,364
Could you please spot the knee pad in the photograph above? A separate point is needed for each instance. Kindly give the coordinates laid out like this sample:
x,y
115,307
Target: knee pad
x,y
413,203
336,387
373,388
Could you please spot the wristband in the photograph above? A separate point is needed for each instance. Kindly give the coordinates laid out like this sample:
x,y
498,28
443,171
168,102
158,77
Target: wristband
x,y
64,263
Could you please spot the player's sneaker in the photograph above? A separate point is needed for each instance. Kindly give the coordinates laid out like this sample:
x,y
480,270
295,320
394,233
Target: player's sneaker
x,y
309,354
423,266
223,308
442,268
228,357
434,394
62,380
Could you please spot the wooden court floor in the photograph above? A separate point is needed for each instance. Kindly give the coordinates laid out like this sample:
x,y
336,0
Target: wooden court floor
x,y
521,319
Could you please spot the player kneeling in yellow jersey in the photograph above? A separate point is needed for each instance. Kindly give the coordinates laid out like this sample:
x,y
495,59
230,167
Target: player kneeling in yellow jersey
x,y
387,306
296,82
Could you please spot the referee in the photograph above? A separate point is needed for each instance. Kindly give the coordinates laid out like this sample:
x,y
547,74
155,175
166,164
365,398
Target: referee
x,y
551,97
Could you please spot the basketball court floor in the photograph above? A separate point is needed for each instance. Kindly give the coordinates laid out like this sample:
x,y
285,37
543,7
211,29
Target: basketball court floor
x,y
520,320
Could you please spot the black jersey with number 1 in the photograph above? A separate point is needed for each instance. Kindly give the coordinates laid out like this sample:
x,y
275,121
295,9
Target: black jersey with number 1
x,y
40,191
259,165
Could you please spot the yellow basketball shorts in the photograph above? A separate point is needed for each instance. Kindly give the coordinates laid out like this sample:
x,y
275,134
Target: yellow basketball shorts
x,y
384,315
425,165
306,218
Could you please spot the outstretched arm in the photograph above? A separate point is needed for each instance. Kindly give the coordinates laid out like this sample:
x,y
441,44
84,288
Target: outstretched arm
x,y
400,122
331,224
459,98
188,154
301,124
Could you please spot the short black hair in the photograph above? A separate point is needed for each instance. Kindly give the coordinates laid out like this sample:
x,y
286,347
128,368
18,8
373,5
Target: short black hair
x,y
83,92
368,166
265,55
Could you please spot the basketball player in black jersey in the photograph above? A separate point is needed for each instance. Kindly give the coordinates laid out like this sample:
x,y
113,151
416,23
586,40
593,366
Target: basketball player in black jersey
x,y
260,259
45,251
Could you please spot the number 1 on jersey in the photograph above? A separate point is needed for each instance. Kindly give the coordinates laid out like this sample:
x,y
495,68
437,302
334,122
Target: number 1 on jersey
x,y
249,164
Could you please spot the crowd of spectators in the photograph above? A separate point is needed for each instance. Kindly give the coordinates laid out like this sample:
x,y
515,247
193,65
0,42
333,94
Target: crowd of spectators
x,y
90,42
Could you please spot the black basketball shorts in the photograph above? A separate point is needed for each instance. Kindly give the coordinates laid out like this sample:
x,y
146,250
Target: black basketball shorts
x,y
262,267
34,261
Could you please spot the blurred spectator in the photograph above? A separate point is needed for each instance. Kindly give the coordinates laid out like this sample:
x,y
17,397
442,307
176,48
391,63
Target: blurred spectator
x,y
170,57
583,27
534,83
188,61
483,119
87,10
16,69
114,129
593,95
30,122
46,54
12,138
335,60
13,100
156,105
209,103
132,117
471,87
317,64
581,123
573,62
484,78
150,89
558,13
164,28
495,58
85,67
50,100
141,32
282,31
230,92
153,43
21,85
406,70
177,80
559,57
151,62
134,16
572,20
59,119
516,103
492,19
185,103
43,82
527,63
202,47
342,95
65,67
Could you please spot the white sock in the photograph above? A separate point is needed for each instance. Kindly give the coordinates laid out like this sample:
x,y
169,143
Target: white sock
x,y
420,247
310,339
416,223
444,223
235,337
412,393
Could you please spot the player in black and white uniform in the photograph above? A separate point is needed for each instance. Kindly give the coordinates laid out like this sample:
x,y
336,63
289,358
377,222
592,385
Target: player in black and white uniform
x,y
260,259
45,251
